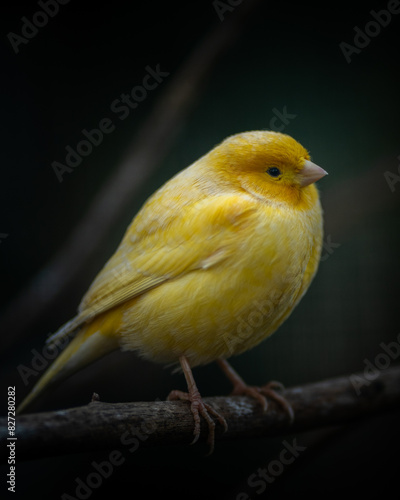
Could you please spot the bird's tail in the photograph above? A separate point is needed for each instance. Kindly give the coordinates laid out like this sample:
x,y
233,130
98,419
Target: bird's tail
x,y
92,342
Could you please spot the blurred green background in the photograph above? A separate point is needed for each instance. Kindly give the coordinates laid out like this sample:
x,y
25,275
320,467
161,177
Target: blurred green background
x,y
347,114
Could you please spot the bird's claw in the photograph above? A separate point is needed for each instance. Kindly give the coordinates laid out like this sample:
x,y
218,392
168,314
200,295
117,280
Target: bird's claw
x,y
261,394
199,407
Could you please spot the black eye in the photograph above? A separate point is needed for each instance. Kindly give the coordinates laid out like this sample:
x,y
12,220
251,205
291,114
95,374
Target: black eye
x,y
274,171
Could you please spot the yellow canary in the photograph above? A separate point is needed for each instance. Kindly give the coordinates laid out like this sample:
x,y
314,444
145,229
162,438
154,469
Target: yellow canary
x,y
212,264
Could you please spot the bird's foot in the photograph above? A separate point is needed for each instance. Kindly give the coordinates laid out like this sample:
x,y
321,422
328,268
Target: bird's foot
x,y
198,407
260,394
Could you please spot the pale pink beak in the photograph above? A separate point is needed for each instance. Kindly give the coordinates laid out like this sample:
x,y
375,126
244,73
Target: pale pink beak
x,y
311,173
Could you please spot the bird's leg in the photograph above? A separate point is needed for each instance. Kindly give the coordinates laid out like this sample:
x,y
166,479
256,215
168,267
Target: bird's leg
x,y
197,405
259,393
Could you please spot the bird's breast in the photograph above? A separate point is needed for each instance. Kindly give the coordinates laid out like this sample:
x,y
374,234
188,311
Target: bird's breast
x,y
229,304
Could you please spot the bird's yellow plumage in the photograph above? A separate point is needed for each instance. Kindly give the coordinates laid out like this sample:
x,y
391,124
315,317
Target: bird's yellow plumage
x,y
233,239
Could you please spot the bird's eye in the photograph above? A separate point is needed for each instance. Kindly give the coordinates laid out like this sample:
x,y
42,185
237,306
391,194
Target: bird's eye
x,y
274,171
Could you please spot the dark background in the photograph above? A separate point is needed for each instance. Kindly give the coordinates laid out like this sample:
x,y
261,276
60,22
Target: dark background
x,y
346,114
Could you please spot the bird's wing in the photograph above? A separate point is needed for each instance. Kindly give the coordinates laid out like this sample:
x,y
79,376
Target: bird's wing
x,y
163,248
194,238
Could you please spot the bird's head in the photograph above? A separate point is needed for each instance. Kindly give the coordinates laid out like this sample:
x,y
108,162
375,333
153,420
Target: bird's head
x,y
269,165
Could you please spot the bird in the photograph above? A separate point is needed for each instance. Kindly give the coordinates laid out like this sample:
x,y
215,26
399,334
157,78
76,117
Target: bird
x,y
212,264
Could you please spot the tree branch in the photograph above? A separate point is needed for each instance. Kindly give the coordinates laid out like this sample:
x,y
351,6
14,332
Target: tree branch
x,y
132,425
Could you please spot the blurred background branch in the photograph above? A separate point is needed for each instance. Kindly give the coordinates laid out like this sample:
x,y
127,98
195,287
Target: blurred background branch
x,y
148,149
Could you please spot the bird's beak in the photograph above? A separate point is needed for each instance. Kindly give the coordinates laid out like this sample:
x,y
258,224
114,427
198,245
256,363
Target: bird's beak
x,y
311,173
